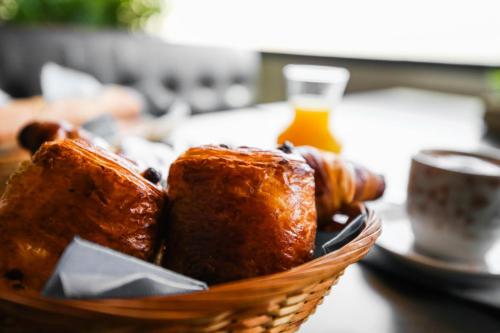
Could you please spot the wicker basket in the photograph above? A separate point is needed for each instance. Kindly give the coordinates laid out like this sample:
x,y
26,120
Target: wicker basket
x,y
274,303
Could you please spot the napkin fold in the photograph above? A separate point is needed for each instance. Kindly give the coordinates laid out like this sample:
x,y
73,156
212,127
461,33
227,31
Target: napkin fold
x,y
4,98
88,270
59,82
327,242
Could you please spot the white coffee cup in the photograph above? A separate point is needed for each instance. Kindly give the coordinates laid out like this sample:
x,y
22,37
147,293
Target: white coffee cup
x,y
454,204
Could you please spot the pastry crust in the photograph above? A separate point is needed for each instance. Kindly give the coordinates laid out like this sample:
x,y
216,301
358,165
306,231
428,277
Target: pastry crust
x,y
339,183
72,188
239,213
335,181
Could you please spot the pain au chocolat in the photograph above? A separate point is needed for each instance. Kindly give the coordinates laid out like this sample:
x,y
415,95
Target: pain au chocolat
x,y
239,213
72,188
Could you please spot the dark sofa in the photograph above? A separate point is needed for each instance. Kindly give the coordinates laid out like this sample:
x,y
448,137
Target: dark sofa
x,y
207,78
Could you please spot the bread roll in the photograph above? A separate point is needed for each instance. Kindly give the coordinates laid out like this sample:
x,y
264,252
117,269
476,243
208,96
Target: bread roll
x,y
239,213
72,188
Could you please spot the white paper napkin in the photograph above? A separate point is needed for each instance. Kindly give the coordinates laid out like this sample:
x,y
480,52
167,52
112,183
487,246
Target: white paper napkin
x,y
59,82
88,270
4,98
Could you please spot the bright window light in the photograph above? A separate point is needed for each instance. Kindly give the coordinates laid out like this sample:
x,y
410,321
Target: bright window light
x,y
443,31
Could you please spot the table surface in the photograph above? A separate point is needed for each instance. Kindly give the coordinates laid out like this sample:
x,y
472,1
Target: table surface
x,y
382,130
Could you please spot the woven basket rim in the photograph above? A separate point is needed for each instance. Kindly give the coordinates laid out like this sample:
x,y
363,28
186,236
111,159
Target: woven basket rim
x,y
217,298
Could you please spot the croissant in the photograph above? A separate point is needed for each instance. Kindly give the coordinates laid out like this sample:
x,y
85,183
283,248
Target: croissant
x,y
72,188
338,182
239,213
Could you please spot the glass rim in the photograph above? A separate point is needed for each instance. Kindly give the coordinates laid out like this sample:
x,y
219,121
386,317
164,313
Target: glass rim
x,y
316,73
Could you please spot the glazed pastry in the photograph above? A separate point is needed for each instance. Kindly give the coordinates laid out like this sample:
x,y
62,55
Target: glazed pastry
x,y
338,182
72,188
239,213
148,156
33,135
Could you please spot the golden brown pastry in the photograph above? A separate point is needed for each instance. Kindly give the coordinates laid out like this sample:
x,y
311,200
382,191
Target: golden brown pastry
x,y
338,182
72,188
239,213
34,134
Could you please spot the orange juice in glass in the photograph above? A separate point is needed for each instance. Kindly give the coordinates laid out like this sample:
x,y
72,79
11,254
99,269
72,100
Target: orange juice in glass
x,y
313,92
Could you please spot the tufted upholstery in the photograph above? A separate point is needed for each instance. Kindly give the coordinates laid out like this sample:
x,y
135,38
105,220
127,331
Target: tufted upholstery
x,y
205,77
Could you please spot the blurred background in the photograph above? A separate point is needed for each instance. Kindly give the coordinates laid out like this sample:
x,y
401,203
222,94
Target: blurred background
x,y
446,45
442,45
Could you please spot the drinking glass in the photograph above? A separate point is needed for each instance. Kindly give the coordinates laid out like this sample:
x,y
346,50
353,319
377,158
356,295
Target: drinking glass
x,y
313,93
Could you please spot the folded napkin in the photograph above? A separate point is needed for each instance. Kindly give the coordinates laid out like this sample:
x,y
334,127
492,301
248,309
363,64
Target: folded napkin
x,y
4,98
327,242
58,83
88,270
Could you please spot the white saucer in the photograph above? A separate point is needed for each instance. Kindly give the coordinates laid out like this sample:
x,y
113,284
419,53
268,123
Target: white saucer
x,y
397,241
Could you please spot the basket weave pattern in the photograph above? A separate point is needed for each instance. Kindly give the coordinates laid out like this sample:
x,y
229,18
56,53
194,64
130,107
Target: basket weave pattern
x,y
276,303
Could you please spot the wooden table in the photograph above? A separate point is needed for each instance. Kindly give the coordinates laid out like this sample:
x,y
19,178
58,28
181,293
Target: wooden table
x,y
381,130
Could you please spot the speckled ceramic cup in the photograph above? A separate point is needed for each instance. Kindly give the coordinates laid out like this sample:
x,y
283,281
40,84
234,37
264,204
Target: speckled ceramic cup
x,y
454,204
